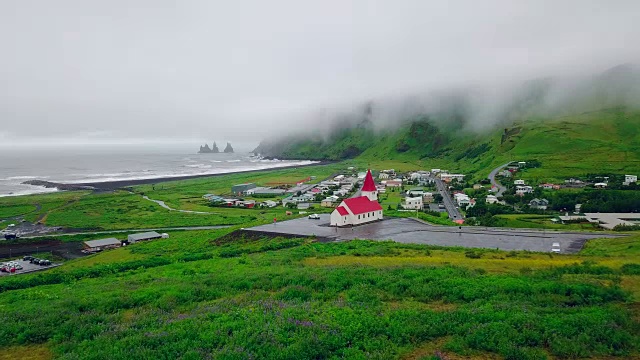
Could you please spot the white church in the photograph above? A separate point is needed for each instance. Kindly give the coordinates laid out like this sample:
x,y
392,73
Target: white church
x,y
359,210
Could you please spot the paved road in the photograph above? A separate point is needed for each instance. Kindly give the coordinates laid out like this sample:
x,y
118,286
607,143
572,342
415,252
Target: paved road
x,y
452,210
412,231
492,178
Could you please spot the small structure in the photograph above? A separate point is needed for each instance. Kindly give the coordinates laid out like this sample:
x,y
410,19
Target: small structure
x,y
521,190
462,199
491,199
451,177
549,186
427,198
240,189
600,185
506,173
303,206
540,204
413,203
213,198
477,186
133,238
519,182
259,190
269,203
415,192
328,202
393,183
102,244
628,179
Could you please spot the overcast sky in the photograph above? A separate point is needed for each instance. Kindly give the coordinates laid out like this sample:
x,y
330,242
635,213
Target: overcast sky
x,y
188,71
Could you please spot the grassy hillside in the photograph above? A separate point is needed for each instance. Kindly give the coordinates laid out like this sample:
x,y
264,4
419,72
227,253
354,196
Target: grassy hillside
x,y
603,141
201,295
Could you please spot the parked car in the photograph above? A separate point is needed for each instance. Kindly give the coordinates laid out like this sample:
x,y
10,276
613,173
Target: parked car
x,y
34,261
27,258
314,216
555,248
10,236
44,262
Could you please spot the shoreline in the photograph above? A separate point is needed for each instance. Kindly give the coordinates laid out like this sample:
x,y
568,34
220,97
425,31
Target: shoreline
x,y
118,184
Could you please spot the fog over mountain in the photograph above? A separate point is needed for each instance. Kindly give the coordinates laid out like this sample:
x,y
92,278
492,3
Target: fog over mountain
x,y
164,72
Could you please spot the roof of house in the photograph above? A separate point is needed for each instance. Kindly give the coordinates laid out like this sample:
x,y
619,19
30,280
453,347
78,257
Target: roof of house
x,y
362,204
342,211
102,242
144,235
369,184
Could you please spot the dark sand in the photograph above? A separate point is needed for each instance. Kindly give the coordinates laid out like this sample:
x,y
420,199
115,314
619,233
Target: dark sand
x,y
112,185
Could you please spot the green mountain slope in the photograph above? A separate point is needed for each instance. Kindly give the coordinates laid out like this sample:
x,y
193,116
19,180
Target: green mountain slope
x,y
606,140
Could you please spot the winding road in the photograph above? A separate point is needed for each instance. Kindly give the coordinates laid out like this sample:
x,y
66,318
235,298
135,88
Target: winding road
x,y
492,178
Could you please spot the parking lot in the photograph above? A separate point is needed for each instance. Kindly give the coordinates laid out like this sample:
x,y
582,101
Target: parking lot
x,y
412,231
26,267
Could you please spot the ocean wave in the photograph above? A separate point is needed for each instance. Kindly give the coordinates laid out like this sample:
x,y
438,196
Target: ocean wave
x,y
233,161
26,177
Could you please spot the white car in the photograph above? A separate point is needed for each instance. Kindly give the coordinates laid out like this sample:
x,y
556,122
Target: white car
x,y
555,248
314,216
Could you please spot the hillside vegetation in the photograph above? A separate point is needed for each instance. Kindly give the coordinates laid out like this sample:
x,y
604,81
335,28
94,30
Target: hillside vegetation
x,y
208,294
606,140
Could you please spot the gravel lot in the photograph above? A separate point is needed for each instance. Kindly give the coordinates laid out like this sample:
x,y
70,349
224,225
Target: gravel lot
x,y
412,231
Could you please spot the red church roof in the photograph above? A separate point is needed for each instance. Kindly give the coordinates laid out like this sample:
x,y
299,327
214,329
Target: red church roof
x,y
342,211
369,185
361,204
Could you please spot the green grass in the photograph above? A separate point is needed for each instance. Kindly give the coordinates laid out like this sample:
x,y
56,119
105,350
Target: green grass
x,y
197,295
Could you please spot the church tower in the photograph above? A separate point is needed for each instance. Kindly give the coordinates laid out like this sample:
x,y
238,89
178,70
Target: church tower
x,y
369,187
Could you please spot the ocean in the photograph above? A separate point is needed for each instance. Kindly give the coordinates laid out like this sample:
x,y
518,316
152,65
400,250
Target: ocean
x,y
82,167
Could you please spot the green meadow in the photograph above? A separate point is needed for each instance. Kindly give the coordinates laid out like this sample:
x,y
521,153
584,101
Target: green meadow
x,y
206,294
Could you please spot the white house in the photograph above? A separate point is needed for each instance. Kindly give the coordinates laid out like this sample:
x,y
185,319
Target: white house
x,y
383,176
491,199
462,199
359,210
628,179
427,197
519,182
521,190
413,203
600,185
451,177
540,204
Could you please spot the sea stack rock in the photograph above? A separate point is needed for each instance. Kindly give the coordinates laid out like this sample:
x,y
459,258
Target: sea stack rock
x,y
228,149
204,149
214,148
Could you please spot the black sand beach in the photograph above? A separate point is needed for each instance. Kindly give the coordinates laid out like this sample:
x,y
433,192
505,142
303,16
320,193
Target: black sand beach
x,y
113,185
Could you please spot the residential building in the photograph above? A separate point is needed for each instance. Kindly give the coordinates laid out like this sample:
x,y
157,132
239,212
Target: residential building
x,y
540,204
427,198
269,203
451,177
521,190
392,183
506,173
461,199
600,185
359,210
415,192
383,176
328,202
413,203
519,182
548,186
491,199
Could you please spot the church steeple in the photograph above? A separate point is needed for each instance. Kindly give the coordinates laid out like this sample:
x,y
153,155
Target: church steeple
x,y
369,187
